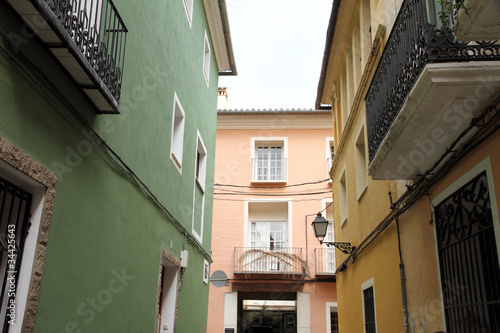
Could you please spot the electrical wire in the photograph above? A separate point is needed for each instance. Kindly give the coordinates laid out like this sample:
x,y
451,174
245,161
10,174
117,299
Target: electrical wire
x,y
250,192
321,211
421,187
99,141
293,200
272,195
278,186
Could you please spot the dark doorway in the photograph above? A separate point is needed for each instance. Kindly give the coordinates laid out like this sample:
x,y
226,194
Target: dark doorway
x,y
267,313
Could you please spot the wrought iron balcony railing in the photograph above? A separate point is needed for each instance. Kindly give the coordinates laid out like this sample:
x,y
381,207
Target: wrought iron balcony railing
x,y
266,260
324,261
422,34
88,37
269,169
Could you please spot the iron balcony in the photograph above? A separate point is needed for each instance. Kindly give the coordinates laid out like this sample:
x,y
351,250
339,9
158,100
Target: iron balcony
x,y
269,170
268,260
88,38
427,88
324,261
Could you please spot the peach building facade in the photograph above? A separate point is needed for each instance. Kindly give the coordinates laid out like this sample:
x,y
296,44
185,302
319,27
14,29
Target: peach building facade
x,y
271,180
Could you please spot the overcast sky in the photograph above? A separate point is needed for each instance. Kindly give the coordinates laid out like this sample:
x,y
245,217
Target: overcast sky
x,y
278,47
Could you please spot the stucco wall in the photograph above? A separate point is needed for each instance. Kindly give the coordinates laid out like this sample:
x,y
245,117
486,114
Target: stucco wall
x,y
105,239
307,153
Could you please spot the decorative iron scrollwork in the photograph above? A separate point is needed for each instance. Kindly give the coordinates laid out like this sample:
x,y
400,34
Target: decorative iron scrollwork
x,y
346,248
413,43
464,213
99,35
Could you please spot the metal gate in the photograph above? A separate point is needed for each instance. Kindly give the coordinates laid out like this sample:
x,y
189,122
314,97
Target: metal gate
x,y
15,205
468,259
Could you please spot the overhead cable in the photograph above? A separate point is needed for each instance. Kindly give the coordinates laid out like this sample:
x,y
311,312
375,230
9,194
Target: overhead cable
x,y
278,186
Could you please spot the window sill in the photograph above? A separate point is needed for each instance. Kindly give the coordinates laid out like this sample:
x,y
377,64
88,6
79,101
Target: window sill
x,y
268,181
362,193
205,75
177,164
343,222
200,185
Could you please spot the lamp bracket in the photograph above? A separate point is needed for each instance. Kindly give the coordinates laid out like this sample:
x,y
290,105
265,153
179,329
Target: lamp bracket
x,y
342,246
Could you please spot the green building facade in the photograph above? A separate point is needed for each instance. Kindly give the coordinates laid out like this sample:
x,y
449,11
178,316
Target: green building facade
x,y
107,142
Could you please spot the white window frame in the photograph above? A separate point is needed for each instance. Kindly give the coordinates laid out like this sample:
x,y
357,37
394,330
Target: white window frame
x,y
199,182
188,6
267,223
343,202
200,172
177,134
283,141
329,159
361,162
27,292
330,307
247,222
369,283
207,53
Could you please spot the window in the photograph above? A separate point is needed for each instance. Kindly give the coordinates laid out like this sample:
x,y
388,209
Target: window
x,y
330,154
343,95
199,188
369,310
206,59
267,229
269,160
366,30
467,249
201,163
188,6
269,163
361,163
356,52
177,139
343,198
15,208
26,200
332,318
272,235
368,294
334,322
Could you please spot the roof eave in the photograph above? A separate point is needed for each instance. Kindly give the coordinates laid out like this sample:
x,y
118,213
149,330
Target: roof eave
x,y
326,55
218,25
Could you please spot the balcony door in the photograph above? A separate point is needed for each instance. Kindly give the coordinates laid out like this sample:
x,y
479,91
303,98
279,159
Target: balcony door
x,y
270,237
270,162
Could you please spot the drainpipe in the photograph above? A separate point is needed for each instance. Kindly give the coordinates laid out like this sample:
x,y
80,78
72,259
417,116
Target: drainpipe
x,y
403,280
401,272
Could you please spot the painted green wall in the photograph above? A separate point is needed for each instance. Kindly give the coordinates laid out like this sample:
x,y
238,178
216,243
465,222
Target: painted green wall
x,y
102,226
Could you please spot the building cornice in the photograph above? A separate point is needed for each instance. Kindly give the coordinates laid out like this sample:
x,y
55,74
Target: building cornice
x,y
328,47
274,120
218,25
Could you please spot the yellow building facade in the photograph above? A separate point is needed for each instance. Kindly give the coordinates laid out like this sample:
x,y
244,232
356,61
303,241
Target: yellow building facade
x,y
415,104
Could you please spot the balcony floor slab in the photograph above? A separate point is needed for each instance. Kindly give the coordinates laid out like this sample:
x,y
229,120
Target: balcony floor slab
x,y
440,106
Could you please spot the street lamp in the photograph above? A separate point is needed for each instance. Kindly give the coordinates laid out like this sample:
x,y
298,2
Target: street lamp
x,y
320,225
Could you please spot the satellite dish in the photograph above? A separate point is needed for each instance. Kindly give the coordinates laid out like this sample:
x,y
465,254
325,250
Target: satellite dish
x,y
218,279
